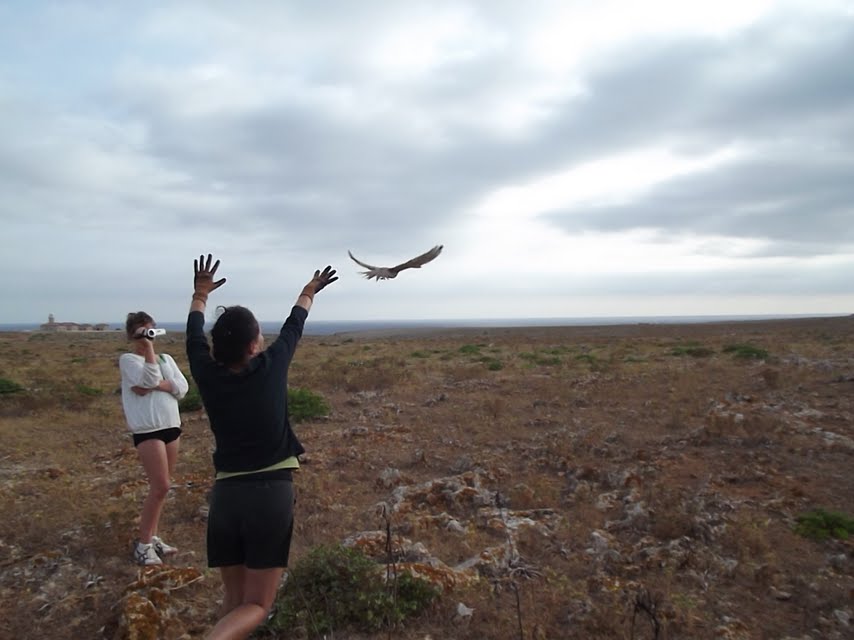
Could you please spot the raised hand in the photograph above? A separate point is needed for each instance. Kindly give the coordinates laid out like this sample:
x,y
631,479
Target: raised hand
x,y
321,280
203,282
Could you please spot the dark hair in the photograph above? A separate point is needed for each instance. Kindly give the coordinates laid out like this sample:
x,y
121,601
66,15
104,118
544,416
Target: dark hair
x,y
135,321
234,330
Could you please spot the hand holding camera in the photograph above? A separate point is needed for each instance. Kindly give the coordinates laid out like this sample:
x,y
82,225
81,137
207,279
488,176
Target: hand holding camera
x,y
149,334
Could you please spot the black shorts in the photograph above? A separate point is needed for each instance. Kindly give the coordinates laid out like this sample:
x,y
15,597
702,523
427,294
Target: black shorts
x,y
167,435
250,523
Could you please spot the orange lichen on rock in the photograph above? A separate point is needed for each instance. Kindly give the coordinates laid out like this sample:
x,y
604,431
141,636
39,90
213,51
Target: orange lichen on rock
x,y
148,610
139,619
439,574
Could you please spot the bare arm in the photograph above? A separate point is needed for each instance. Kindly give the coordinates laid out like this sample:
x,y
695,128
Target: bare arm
x,y
305,299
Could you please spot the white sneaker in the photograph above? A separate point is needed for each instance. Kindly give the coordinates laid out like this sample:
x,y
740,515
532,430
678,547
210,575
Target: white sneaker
x,y
162,548
145,554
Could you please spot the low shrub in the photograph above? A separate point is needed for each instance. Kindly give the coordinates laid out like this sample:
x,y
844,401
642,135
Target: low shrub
x,y
492,364
8,386
540,359
190,402
305,405
693,350
558,351
821,525
334,588
86,390
746,351
470,349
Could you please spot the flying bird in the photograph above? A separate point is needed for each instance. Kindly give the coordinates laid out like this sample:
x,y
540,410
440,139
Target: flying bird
x,y
387,273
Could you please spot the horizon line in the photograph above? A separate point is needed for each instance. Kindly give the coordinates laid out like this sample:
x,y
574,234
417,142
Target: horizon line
x,y
515,319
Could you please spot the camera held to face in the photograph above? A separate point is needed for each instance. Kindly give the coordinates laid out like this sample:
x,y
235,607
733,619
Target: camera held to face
x,y
150,334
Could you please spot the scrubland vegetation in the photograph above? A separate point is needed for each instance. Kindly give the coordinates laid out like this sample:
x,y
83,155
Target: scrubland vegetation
x,y
689,481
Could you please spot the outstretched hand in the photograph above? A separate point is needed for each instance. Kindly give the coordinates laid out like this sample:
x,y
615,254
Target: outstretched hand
x,y
321,280
203,282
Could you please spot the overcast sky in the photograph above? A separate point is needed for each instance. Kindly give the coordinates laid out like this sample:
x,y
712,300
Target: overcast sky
x,y
574,158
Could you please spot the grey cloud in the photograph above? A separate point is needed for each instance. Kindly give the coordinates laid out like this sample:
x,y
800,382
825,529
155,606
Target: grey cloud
x,y
289,174
795,119
756,85
794,203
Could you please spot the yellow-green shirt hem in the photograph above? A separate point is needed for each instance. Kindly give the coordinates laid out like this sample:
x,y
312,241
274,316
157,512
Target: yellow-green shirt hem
x,y
287,463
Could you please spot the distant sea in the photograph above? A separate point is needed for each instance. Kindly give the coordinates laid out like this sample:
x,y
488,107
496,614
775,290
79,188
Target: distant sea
x,y
323,328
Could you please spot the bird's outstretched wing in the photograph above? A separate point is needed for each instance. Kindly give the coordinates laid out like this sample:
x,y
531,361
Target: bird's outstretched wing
x,y
360,263
419,261
386,273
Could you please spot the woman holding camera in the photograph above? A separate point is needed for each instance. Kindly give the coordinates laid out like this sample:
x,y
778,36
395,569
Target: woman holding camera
x,y
152,384
244,390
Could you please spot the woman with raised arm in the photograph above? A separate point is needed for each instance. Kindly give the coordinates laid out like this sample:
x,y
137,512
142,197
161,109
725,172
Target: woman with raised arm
x,y
244,390
152,384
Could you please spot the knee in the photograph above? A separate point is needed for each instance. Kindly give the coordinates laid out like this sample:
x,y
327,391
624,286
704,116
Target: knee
x,y
263,611
264,607
159,488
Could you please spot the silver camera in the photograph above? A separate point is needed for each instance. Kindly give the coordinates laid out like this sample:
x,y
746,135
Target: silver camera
x,y
153,333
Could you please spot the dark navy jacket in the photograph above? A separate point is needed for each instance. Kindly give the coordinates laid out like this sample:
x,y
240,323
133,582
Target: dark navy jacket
x,y
248,411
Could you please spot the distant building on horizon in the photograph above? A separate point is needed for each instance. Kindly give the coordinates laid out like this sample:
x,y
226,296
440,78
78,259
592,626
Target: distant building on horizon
x,y
53,325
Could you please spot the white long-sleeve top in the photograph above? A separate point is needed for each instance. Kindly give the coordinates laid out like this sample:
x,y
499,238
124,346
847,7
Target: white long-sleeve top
x,y
158,409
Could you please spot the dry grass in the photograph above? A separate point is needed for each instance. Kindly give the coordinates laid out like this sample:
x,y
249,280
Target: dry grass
x,y
580,420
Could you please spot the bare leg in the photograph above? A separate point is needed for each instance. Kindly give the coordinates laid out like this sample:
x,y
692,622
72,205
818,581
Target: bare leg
x,y
233,581
172,455
152,454
259,591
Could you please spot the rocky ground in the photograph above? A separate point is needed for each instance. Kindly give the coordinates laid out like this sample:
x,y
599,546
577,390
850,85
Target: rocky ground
x,y
585,482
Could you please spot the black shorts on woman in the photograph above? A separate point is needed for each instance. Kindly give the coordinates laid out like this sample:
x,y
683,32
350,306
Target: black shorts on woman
x,y
164,435
251,514
251,521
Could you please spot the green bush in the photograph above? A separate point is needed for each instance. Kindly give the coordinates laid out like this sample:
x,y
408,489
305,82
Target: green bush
x,y
470,349
558,351
419,354
692,349
746,351
540,359
493,364
335,588
7,386
86,390
192,401
821,525
305,405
